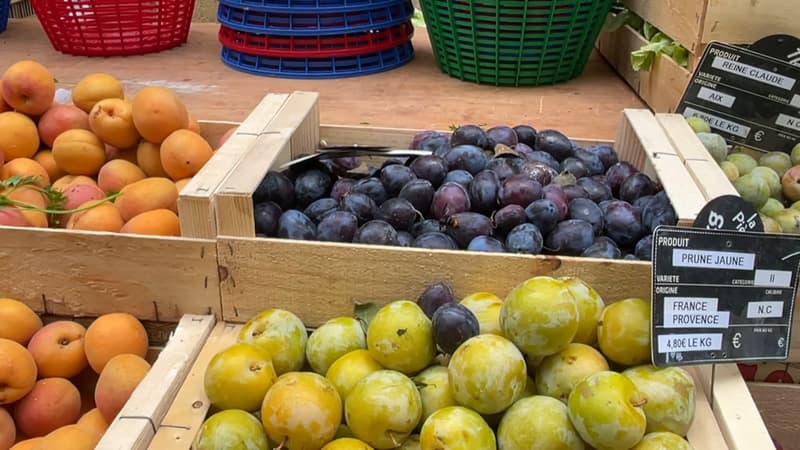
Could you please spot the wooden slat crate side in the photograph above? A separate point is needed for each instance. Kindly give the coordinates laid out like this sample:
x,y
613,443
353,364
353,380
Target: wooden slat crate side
x,y
190,406
779,405
682,20
76,274
195,201
136,424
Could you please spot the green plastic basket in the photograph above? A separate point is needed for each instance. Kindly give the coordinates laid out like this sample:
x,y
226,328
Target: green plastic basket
x,y
514,42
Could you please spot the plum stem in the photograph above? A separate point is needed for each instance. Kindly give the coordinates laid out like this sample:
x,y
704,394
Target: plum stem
x,y
282,445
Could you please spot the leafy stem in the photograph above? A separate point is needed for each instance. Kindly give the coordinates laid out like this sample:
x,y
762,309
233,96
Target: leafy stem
x,y
55,199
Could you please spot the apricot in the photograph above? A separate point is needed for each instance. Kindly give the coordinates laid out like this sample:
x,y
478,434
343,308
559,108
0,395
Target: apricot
x,y
95,87
157,112
194,125
112,121
117,381
17,371
59,119
184,153
128,154
57,349
77,195
118,173
102,217
27,444
29,87
29,196
46,160
148,157
13,217
51,404
19,321
8,430
147,195
111,335
79,152
180,184
20,138
93,422
70,437
3,105
25,167
86,381
66,181
158,222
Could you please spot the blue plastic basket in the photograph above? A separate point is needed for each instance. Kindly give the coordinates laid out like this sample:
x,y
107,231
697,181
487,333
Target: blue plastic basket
x,y
310,6
314,24
5,7
319,68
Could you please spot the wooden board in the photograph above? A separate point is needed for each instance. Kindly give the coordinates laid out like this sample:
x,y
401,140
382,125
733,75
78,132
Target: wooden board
x,y
138,420
779,405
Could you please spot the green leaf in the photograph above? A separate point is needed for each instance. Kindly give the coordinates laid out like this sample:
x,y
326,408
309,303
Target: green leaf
x,y
364,312
642,59
649,31
615,22
680,54
637,23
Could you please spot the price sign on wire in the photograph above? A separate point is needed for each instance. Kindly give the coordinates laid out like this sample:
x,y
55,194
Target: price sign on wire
x,y
729,212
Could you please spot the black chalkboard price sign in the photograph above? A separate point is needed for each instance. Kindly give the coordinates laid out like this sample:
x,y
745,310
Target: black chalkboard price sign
x,y
722,295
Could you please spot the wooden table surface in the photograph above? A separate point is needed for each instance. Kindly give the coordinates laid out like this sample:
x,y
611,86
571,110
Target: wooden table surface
x,y
417,95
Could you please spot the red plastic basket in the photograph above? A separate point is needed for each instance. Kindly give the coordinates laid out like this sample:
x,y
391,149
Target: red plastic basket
x,y
114,27
316,46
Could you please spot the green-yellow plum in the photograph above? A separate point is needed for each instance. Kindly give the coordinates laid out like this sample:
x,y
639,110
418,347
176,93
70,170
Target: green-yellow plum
x,y
486,307
457,428
590,308
771,207
698,125
434,390
238,377
412,443
730,170
663,440
282,334
715,144
791,184
346,443
795,205
795,154
771,177
530,388
558,374
670,395
383,409
538,423
780,162
744,162
540,316
487,374
400,337
789,220
231,429
753,189
770,225
605,409
624,332
348,370
343,432
301,411
333,339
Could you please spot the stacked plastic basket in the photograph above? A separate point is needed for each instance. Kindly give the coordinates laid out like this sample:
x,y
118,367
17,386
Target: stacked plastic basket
x,y
5,5
315,38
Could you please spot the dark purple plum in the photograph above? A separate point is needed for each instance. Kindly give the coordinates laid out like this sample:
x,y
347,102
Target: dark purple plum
x,y
435,240
574,191
525,238
276,187
399,213
605,249
437,143
642,202
574,166
554,143
658,211
376,232
419,193
570,237
426,226
618,173
419,137
597,190
484,192
392,161
622,225
592,162
644,248
630,257
600,178
340,166
337,226
523,150
526,134
537,171
341,187
486,244
430,167
434,297
371,187
459,176
501,135
635,186
606,153
587,210
267,215
394,177
544,158
360,205
450,198
311,185
469,135
404,239
557,195
466,157
501,166
466,226
453,323
293,224
520,190
318,208
544,214
507,217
